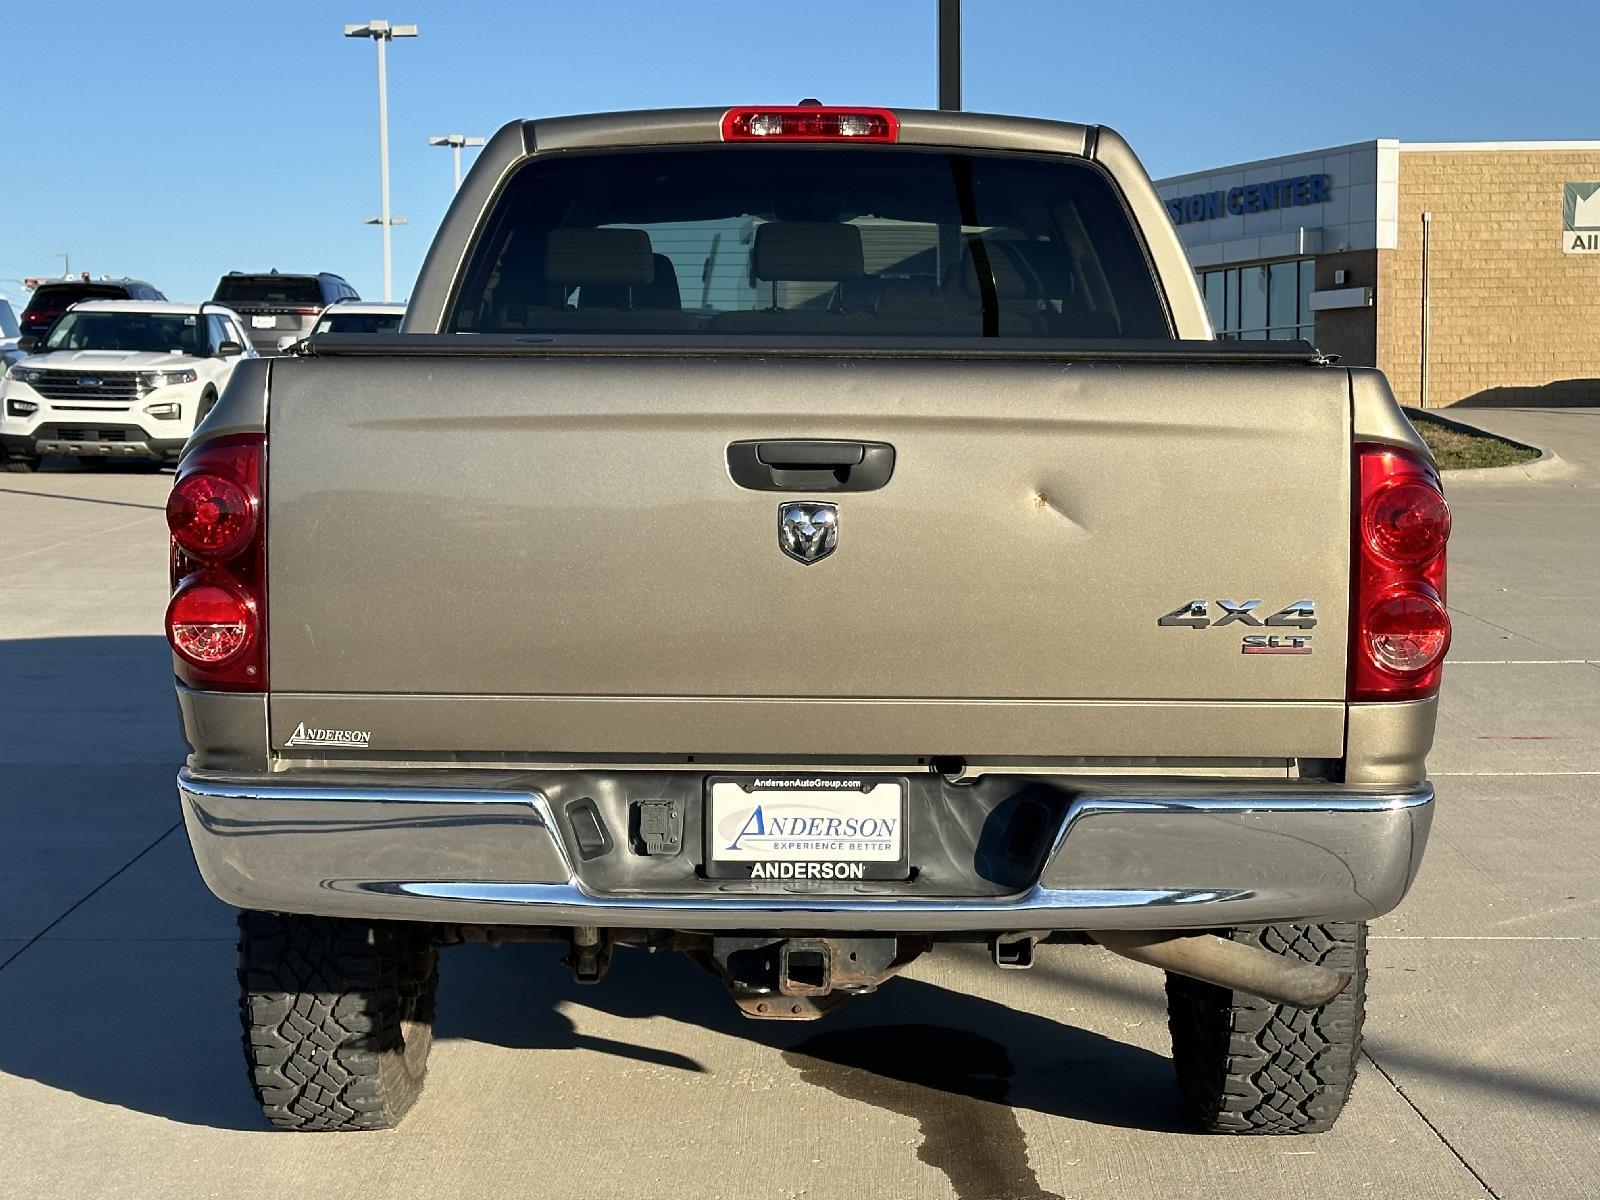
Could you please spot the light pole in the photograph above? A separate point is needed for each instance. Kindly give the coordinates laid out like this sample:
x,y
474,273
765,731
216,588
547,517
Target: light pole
x,y
382,33
1422,352
950,54
455,141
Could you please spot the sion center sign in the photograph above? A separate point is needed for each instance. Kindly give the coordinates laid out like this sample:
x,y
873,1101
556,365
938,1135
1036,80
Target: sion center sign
x,y
1580,218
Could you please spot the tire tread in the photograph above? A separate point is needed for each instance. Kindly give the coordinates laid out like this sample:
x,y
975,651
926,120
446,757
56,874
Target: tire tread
x,y
337,1018
1247,1065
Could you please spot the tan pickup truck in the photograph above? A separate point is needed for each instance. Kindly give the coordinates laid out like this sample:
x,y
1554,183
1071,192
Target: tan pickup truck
x,y
801,537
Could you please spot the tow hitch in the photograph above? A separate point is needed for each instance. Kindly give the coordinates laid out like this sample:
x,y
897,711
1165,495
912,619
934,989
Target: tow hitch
x,y
801,978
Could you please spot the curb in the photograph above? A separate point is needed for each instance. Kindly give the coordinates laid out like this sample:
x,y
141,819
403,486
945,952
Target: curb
x,y
1547,467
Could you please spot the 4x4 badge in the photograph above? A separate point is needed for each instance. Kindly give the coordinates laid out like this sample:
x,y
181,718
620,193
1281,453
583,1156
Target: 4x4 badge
x,y
808,532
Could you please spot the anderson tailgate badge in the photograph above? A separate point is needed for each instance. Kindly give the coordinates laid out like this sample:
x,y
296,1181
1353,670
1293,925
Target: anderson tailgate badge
x,y
356,739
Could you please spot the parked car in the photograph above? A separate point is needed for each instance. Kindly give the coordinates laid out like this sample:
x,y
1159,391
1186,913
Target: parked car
x,y
119,379
858,609
52,297
360,316
280,309
10,331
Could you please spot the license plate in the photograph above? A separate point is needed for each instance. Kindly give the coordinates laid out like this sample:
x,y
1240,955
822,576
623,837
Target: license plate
x,y
798,827
263,322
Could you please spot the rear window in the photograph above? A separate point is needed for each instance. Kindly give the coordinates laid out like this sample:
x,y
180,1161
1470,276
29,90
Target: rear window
x,y
358,322
778,240
57,296
269,289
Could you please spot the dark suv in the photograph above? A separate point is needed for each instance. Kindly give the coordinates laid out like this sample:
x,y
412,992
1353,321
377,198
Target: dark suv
x,y
54,296
280,309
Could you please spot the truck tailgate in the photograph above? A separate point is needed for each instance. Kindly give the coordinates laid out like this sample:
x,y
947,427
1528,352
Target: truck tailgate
x,y
548,554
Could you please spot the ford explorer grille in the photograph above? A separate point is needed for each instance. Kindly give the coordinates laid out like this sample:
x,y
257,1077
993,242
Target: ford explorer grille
x,y
88,385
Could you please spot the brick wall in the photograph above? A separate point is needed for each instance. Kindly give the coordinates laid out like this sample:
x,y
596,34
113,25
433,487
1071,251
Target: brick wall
x,y
1512,319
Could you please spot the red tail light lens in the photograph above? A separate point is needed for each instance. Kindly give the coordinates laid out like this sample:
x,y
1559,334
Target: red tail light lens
x,y
809,123
210,623
216,620
1400,629
1406,521
211,516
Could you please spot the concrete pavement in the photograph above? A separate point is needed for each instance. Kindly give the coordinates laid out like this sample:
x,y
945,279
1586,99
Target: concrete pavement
x,y
120,1070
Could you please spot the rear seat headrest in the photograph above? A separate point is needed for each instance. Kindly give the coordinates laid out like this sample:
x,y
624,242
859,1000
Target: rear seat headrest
x,y
807,251
1021,270
574,257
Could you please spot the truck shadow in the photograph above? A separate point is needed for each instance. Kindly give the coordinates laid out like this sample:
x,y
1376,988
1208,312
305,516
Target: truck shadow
x,y
912,1046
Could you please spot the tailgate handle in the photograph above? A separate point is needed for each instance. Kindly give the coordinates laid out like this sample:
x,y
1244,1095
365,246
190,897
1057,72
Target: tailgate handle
x,y
811,465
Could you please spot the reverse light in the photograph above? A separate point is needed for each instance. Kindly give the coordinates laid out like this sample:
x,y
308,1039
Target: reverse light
x,y
1406,631
217,619
809,123
1400,629
210,623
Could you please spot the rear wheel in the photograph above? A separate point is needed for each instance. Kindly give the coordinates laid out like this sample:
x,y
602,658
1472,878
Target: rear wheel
x,y
338,1018
1247,1065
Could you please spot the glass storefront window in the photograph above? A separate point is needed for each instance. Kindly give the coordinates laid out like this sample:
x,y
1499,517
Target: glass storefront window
x,y
1262,301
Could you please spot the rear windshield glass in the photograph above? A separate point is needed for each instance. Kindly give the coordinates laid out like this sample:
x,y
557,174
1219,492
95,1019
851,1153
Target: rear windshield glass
x,y
813,241
159,333
358,322
55,297
269,289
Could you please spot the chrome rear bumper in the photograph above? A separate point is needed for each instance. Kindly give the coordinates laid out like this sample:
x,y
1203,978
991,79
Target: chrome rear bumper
x,y
1128,855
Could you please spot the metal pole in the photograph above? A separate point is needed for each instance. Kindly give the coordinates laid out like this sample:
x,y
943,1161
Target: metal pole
x,y
455,153
950,54
383,166
1427,226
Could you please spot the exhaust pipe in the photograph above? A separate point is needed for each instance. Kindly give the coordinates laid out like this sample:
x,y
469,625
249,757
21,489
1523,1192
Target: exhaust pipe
x,y
1229,964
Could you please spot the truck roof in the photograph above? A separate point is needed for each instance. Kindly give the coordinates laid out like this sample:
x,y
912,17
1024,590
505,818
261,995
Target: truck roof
x,y
687,126
164,307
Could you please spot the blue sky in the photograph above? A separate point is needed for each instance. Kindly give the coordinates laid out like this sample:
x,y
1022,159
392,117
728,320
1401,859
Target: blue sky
x,y
176,142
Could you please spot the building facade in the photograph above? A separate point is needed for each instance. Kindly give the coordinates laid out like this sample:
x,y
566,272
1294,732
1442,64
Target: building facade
x,y
1332,246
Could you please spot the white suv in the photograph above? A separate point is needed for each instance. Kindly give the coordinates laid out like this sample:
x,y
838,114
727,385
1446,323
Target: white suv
x,y
119,379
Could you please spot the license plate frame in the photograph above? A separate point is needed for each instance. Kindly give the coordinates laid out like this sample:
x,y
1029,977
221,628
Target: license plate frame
x,y
260,322
736,849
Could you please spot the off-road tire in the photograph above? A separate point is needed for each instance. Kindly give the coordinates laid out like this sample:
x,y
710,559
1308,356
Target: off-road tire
x,y
338,1018
1247,1065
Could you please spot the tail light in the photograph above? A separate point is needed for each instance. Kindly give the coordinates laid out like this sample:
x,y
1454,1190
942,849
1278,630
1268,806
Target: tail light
x,y
809,123
1399,629
216,620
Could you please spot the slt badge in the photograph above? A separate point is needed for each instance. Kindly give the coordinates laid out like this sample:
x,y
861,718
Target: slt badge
x,y
808,532
1302,614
